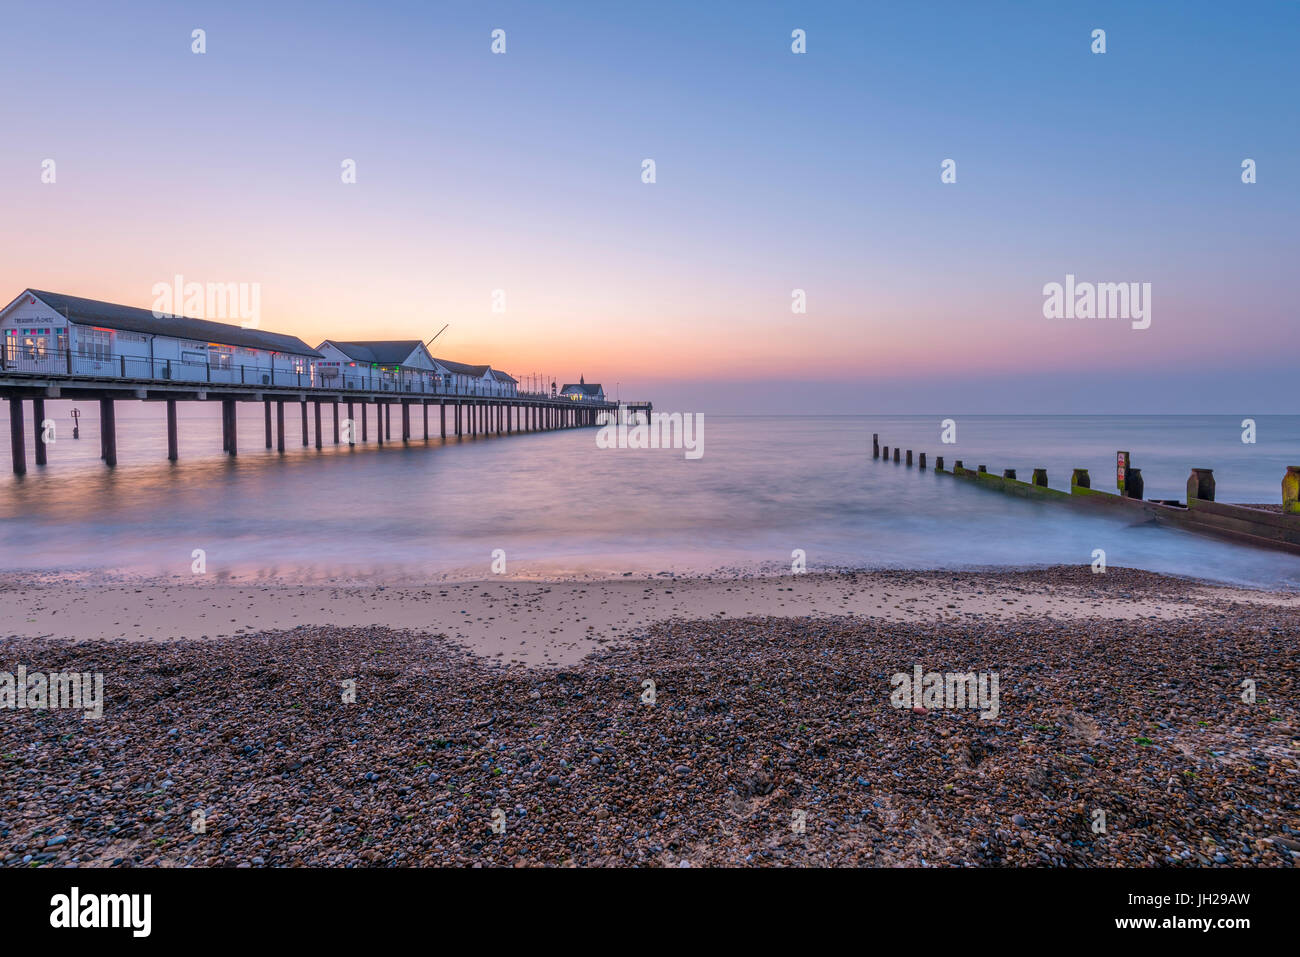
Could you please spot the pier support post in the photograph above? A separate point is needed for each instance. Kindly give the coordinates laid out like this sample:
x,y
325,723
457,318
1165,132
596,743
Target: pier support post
x,y
1291,490
279,425
38,429
108,429
318,435
365,422
17,442
1039,478
406,421
267,404
1200,485
173,450
1080,478
335,406
379,422
229,426
424,407
303,403
388,421
457,418
352,428
442,417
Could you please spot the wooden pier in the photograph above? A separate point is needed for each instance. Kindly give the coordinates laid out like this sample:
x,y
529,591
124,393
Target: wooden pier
x,y
456,415
1264,525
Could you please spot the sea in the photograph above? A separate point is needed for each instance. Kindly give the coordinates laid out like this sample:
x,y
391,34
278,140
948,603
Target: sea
x,y
761,494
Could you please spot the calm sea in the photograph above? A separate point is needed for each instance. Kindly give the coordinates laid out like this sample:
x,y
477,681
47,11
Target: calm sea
x,y
555,503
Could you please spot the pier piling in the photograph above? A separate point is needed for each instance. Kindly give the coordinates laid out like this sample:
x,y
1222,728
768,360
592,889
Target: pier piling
x,y
279,425
267,404
318,435
108,431
303,403
38,429
173,446
17,443
352,432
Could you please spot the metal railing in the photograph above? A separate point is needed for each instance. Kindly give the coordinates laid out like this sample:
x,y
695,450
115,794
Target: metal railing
x,y
284,374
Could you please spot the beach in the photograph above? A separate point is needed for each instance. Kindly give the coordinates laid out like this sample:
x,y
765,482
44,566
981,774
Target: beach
x,y
506,722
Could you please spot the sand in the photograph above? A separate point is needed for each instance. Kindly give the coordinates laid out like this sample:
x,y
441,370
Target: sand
x,y
560,622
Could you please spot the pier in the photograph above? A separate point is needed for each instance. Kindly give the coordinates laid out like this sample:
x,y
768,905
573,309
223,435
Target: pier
x,y
1266,525
453,414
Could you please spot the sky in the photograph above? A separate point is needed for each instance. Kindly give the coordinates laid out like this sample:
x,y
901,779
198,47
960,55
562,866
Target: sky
x,y
775,171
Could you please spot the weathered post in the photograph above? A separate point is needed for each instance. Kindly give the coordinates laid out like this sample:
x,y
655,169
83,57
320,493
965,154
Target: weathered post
x,y
442,417
17,442
909,458
406,421
317,417
957,468
38,429
108,426
424,408
1080,478
279,425
983,468
938,462
335,407
267,404
886,453
303,403
1133,485
1009,474
232,426
173,451
365,421
895,454
1200,485
352,430
922,460
1040,478
875,445
1291,490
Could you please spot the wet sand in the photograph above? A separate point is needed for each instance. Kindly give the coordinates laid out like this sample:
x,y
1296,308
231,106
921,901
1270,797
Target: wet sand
x,y
560,622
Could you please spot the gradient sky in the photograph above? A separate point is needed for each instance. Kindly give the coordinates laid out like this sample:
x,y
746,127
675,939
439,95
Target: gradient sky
x,y
775,171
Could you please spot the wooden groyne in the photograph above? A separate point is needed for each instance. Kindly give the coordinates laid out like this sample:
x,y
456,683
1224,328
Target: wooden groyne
x,y
1268,526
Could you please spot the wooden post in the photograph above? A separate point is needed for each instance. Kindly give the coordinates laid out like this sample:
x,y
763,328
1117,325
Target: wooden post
x,y
379,423
875,445
38,429
1134,487
1291,490
1200,485
1039,478
267,403
458,418
279,425
318,437
886,453
909,458
108,425
1008,473
352,429
424,407
335,406
303,403
17,443
938,462
232,426
406,421
895,454
983,468
922,462
173,446
442,417
1080,478
365,427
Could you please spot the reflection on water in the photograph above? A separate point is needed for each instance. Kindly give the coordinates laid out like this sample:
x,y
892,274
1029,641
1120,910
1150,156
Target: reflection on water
x,y
766,486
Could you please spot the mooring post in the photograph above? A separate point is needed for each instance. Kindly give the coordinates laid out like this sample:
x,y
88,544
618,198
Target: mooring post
x,y
279,425
318,435
1008,473
108,425
267,404
1291,490
17,442
1080,478
38,429
1039,478
1200,485
173,447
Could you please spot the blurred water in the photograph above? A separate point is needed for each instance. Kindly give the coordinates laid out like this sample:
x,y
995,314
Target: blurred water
x,y
554,502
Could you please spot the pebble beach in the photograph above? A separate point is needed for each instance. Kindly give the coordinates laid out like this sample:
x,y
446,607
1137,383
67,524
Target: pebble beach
x,y
765,739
